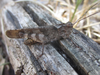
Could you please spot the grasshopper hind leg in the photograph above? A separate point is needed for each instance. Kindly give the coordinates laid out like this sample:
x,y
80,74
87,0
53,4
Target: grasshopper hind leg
x,y
32,42
29,42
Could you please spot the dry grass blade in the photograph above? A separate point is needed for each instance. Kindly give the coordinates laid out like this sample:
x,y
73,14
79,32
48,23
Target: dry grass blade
x,y
86,26
90,7
97,40
98,35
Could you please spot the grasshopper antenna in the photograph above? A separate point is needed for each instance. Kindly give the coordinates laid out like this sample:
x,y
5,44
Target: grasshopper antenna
x,y
86,17
86,12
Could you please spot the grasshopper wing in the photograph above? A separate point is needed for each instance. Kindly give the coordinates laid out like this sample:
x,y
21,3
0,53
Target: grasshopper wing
x,y
19,33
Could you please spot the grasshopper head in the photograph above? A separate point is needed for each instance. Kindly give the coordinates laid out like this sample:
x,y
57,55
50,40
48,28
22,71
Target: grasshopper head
x,y
65,30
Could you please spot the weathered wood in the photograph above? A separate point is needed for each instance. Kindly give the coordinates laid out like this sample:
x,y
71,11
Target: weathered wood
x,y
77,51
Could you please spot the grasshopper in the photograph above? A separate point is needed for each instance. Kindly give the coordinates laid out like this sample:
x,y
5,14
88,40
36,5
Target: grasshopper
x,y
43,34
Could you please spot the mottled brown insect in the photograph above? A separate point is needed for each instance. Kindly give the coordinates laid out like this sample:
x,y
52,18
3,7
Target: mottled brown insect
x,y
42,34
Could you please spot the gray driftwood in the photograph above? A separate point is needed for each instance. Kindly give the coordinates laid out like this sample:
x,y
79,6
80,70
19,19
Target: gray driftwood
x,y
77,55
